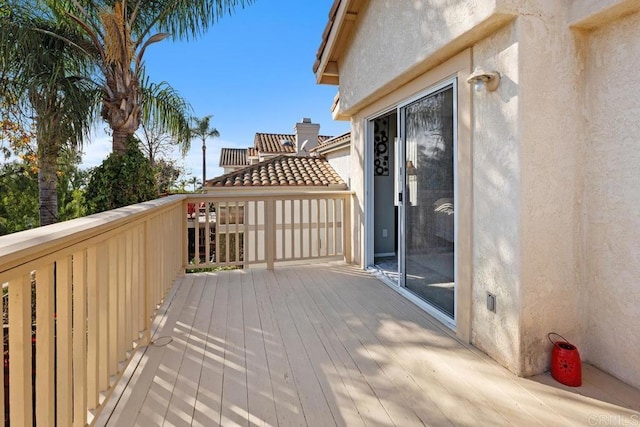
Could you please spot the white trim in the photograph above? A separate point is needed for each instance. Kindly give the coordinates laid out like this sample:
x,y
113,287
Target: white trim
x,y
402,186
369,205
451,80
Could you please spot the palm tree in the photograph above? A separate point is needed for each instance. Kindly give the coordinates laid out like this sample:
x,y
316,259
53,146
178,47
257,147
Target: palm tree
x,y
167,113
195,181
120,31
42,81
203,131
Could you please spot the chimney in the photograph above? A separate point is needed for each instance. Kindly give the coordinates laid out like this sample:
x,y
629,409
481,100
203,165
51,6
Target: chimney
x,y
306,135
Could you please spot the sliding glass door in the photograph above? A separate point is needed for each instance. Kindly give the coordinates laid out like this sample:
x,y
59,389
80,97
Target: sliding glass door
x,y
428,134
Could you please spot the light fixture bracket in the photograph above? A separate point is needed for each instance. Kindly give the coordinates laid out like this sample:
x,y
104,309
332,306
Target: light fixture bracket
x,y
488,79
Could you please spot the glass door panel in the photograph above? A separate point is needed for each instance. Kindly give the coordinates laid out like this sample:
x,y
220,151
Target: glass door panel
x,y
429,223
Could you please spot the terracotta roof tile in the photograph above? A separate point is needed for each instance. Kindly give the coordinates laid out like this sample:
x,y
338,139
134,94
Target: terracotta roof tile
x,y
233,157
275,143
333,142
282,171
326,32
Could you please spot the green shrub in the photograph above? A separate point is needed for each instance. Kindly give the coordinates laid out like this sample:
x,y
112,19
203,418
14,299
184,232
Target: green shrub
x,y
121,180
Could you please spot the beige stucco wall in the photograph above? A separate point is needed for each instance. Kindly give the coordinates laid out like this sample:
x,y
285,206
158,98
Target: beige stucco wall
x,y
496,201
552,172
612,197
552,293
340,161
526,188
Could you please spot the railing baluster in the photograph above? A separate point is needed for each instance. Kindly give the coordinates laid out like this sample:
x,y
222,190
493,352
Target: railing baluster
x,y
326,227
301,245
226,233
136,279
64,348
184,213
20,358
141,285
93,383
335,226
292,223
207,234
270,232
128,296
238,240
79,339
217,233
112,309
103,313
196,233
121,298
280,221
309,229
346,242
45,308
252,245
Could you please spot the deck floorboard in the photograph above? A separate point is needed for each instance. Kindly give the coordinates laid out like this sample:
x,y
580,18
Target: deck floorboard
x,y
328,344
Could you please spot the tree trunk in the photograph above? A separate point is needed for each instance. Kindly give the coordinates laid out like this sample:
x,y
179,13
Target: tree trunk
x,y
119,141
47,186
204,163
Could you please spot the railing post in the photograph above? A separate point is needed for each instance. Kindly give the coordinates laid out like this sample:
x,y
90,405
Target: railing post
x,y
185,234
270,232
346,228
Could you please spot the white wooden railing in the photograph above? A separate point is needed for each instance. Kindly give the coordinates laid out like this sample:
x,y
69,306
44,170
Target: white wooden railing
x,y
95,283
80,297
241,228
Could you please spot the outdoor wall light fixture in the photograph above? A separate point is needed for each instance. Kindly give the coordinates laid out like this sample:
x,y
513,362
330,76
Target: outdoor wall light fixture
x,y
481,78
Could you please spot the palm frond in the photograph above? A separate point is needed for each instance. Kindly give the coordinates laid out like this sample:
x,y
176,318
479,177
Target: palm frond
x,y
163,107
183,19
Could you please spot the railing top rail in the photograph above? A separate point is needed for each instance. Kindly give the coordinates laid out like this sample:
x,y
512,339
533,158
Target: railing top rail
x,y
19,248
229,193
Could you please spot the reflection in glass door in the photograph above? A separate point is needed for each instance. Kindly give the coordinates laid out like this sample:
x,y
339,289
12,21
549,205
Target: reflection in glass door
x,y
429,220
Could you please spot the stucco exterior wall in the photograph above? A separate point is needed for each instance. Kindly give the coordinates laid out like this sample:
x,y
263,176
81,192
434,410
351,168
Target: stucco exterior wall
x,y
496,201
555,231
612,197
340,161
440,30
553,297
526,191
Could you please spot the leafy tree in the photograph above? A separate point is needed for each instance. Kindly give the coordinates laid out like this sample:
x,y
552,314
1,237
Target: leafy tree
x,y
121,180
72,182
203,131
166,175
42,78
18,197
120,31
19,207
154,143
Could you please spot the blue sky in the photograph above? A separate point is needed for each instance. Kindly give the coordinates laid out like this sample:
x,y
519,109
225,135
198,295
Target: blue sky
x,y
252,71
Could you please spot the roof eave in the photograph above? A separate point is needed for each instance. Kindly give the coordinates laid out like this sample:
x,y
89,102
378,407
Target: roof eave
x,y
342,18
336,147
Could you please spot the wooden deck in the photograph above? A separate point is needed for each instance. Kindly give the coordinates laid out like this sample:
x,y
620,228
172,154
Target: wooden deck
x,y
327,344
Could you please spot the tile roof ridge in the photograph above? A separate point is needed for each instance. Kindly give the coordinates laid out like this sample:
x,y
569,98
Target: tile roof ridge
x,y
245,169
